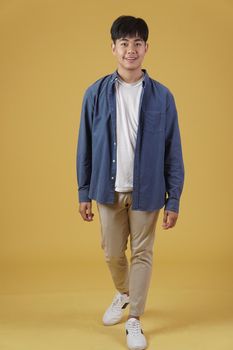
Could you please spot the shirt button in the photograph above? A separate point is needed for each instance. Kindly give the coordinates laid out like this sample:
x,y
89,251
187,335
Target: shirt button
x,y
112,177
114,143
113,161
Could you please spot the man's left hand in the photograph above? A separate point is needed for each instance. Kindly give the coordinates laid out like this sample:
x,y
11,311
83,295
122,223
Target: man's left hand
x,y
169,219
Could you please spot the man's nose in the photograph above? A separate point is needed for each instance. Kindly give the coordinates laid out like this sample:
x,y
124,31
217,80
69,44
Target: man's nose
x,y
131,48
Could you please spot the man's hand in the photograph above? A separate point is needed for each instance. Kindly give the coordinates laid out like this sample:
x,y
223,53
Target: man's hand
x,y
85,211
169,219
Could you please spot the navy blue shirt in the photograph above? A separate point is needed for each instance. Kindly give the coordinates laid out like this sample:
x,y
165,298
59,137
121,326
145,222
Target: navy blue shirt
x,y
158,173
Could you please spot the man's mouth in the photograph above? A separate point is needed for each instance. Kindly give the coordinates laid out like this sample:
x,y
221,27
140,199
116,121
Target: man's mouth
x,y
131,59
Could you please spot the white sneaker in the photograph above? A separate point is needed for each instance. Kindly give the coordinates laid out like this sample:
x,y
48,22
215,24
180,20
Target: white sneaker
x,y
134,335
115,311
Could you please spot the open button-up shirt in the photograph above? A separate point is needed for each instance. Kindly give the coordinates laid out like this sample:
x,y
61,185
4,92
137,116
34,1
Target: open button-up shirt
x,y
158,173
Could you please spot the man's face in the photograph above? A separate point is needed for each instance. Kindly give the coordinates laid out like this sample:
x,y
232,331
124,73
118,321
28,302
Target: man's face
x,y
129,52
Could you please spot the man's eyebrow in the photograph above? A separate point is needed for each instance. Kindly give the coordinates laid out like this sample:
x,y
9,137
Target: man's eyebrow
x,y
138,39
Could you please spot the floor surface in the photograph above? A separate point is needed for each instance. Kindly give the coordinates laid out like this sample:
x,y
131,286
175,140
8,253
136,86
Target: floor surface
x,y
60,307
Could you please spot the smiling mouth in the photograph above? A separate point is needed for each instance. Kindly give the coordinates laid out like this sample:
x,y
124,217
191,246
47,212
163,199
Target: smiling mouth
x,y
131,58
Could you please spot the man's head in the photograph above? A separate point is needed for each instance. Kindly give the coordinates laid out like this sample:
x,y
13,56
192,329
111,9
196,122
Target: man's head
x,y
129,26
129,41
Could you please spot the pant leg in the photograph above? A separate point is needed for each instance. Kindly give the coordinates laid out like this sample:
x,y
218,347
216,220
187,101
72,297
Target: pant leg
x,y
114,238
142,234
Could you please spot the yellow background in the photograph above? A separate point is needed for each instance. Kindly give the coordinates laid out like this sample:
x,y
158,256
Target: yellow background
x,y
50,52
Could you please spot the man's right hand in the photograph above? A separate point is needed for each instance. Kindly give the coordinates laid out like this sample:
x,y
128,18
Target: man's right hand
x,y
85,211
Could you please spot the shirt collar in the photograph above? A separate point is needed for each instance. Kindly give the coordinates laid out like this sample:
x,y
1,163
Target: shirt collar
x,y
115,75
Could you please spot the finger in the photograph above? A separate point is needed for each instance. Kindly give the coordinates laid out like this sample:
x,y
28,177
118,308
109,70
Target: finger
x,y
167,220
165,215
83,213
171,221
82,210
89,213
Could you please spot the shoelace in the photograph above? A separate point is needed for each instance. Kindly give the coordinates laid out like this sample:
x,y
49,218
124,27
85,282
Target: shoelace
x,y
134,328
117,304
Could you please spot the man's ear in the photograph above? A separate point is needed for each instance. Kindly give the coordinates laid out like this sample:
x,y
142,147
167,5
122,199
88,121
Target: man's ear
x,y
113,46
147,45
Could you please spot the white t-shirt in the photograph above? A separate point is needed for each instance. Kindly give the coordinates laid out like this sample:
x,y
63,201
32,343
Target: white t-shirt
x,y
127,114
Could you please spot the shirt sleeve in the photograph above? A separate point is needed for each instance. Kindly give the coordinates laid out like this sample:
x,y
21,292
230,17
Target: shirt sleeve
x,y
173,162
84,147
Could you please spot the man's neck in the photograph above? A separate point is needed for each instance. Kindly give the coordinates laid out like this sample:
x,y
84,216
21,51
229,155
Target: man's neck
x,y
130,76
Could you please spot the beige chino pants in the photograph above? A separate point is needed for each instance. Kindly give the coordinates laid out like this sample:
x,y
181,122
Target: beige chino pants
x,y
118,222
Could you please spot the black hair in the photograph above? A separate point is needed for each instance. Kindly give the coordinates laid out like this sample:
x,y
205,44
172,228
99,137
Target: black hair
x,y
129,25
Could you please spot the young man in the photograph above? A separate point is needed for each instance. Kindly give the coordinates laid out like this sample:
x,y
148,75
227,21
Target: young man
x,y
129,159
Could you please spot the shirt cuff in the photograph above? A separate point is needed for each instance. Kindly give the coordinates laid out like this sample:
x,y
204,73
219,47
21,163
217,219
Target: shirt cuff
x,y
172,204
83,195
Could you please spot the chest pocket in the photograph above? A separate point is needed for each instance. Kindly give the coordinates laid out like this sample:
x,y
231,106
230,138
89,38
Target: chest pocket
x,y
153,121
